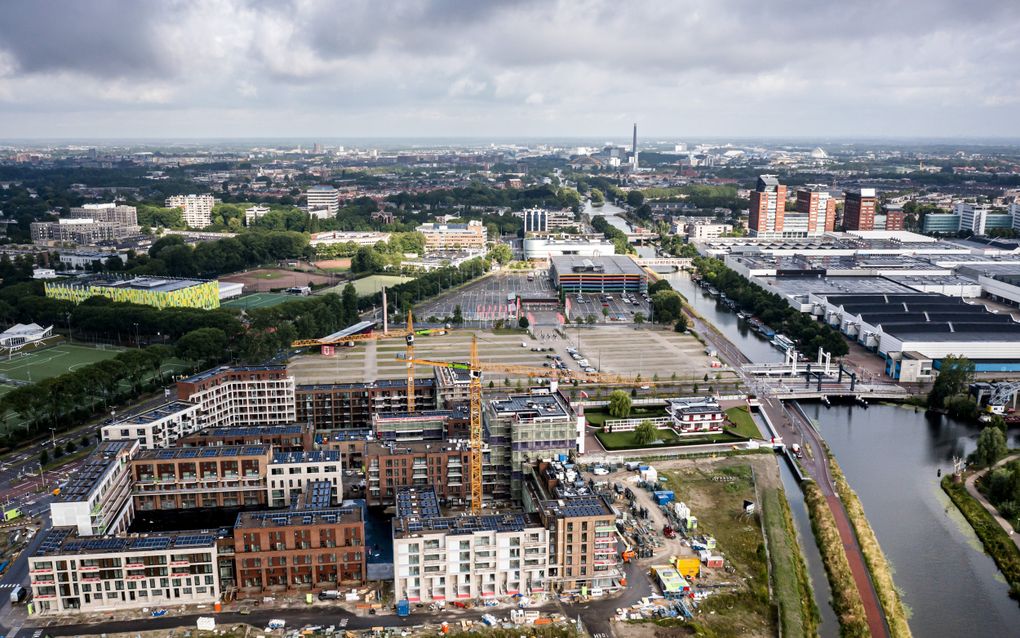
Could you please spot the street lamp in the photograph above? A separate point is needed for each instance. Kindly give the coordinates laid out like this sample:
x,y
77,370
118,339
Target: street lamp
x,y
53,435
67,316
137,343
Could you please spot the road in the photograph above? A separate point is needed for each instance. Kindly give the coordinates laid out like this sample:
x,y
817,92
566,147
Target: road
x,y
793,426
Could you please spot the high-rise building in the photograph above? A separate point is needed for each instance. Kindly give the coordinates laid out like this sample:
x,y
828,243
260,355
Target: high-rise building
x,y
195,209
768,208
859,209
323,201
816,204
109,213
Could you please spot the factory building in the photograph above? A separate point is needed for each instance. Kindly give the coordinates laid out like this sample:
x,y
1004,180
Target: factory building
x,y
603,274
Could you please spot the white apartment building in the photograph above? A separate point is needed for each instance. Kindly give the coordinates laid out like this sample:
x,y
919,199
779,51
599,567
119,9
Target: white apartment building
x,y
546,248
291,472
540,220
972,217
707,230
254,213
323,201
442,236
157,428
195,209
111,213
97,497
250,395
439,558
70,574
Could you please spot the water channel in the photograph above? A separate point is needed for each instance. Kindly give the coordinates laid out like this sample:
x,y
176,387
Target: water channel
x,y
612,214
891,456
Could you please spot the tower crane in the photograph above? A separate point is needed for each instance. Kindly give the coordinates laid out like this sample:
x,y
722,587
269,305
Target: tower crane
x,y
475,368
408,334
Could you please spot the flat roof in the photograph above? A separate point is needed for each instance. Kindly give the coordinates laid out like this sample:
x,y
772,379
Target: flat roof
x,y
311,456
154,284
609,265
530,406
418,511
380,383
212,372
154,414
89,473
65,540
251,430
299,517
202,452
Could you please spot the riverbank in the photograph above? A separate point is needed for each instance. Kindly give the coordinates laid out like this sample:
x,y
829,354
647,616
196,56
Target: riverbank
x,y
995,540
878,565
791,586
846,599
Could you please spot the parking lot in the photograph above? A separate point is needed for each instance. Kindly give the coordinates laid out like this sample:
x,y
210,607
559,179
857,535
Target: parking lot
x,y
483,302
617,310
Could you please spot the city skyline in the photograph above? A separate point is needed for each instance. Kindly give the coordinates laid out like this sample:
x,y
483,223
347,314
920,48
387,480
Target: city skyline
x,y
237,69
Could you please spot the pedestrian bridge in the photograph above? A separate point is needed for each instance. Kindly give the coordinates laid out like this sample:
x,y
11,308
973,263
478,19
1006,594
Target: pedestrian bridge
x,y
676,262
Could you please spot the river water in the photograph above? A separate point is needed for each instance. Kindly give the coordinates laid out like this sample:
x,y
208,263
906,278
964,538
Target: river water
x,y
612,214
891,456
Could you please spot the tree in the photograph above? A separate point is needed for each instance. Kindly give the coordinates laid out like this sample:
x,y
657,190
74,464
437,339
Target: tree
x,y
619,404
204,344
645,433
667,306
639,318
681,324
955,374
44,457
658,286
85,441
501,253
991,447
70,448
458,315
523,322
635,198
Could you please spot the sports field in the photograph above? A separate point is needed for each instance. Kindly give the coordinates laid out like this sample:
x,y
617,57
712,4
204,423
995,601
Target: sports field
x,y
54,361
258,300
369,285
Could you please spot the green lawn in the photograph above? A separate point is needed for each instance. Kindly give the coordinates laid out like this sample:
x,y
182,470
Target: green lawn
x,y
742,423
599,416
625,440
791,586
51,362
369,285
258,300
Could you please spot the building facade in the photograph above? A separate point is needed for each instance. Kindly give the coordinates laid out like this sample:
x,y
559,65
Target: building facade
x,y
196,210
768,208
859,208
157,428
291,473
97,498
242,395
818,207
440,236
159,292
604,274
350,406
190,478
323,201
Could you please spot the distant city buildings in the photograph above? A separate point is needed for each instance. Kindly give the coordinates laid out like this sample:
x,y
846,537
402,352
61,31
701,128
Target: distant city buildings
x,y
196,210
88,225
541,220
701,230
255,213
348,237
768,208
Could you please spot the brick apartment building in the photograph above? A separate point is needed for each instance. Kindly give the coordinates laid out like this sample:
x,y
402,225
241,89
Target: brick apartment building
x,y
249,395
350,406
859,207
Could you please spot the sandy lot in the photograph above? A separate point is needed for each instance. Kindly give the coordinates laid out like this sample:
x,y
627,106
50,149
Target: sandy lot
x,y
266,279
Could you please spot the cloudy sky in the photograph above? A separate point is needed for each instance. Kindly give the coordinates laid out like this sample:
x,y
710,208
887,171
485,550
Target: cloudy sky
x,y
313,68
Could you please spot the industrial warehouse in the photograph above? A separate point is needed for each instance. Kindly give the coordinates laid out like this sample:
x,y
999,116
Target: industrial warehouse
x,y
598,274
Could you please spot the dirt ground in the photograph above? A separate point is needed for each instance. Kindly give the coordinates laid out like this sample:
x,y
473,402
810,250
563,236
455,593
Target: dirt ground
x,y
334,264
266,279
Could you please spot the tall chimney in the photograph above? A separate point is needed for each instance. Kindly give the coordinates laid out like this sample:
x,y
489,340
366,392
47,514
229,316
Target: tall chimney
x,y
633,146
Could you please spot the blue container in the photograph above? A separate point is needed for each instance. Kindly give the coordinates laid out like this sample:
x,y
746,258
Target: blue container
x,y
403,608
563,458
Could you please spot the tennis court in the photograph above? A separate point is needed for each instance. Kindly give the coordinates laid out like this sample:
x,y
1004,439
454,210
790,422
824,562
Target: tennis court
x,y
51,362
258,300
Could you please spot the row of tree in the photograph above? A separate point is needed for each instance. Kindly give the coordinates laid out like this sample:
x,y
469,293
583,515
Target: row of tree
x,y
405,295
772,309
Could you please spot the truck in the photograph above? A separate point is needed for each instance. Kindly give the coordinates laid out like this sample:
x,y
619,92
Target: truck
x,y
18,594
329,594
795,448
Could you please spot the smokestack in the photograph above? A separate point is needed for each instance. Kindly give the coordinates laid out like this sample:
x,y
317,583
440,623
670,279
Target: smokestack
x,y
633,146
385,313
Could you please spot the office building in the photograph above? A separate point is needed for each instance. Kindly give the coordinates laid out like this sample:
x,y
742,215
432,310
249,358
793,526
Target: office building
x,y
241,396
768,208
859,208
541,220
158,292
581,526
700,231
818,207
323,201
979,219
442,236
449,558
546,248
156,428
97,498
255,213
74,574
941,223
602,274
196,210
290,474
301,550
350,406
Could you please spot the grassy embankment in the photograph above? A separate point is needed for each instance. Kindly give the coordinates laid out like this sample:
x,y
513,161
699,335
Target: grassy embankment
x,y
846,599
878,566
791,586
995,540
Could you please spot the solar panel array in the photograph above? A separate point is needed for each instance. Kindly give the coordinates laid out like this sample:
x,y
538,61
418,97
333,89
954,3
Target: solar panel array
x,y
204,453
295,518
54,539
152,542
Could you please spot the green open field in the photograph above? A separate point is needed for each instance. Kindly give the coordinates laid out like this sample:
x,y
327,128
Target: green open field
x,y
743,423
625,440
258,300
369,285
54,361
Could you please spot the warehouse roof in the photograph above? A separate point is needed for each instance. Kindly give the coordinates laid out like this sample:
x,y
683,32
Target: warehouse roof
x,y
601,265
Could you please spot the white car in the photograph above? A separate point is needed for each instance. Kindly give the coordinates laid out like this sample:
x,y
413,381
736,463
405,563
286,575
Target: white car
x,y
600,471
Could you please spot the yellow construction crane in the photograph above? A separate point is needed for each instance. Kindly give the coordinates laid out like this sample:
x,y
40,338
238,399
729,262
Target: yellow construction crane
x,y
475,369
408,335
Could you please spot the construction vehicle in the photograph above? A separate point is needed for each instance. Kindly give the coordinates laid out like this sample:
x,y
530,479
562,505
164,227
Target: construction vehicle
x,y
475,369
408,334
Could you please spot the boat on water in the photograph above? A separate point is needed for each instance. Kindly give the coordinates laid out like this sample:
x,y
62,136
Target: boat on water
x,y
712,291
743,316
782,342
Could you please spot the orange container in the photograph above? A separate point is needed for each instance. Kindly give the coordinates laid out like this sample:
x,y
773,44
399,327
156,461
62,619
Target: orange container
x,y
217,607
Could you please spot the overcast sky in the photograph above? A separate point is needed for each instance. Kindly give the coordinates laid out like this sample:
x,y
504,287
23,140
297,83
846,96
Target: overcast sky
x,y
311,68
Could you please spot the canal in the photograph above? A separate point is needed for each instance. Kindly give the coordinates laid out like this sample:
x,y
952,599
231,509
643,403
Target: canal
x,y
612,214
891,456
